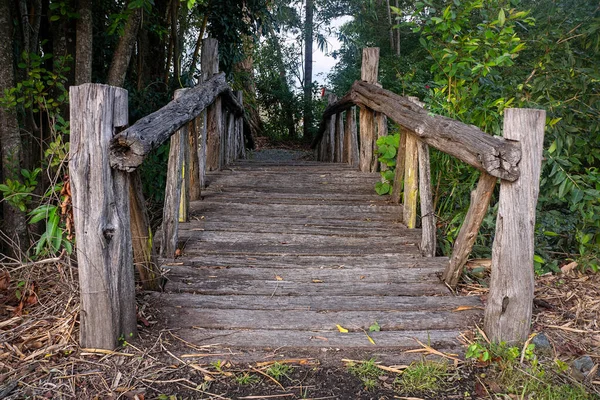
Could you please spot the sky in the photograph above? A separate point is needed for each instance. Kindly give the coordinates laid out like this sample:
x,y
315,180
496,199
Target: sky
x,y
323,63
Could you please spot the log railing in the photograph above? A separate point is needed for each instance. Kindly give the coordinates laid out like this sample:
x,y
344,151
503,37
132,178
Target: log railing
x,y
111,226
515,159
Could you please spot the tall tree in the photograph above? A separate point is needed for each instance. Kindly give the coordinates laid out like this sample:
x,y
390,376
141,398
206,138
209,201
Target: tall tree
x,y
83,44
14,222
308,67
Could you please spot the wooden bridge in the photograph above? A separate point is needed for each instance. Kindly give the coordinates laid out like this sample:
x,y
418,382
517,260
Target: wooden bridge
x,y
299,255
276,255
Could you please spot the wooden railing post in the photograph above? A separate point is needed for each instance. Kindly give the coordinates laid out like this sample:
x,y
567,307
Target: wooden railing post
x,y
101,214
174,190
400,167
509,306
194,165
240,151
428,228
480,201
350,138
369,73
214,123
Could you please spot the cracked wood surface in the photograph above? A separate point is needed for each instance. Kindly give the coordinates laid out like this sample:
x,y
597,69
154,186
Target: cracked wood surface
x,y
277,254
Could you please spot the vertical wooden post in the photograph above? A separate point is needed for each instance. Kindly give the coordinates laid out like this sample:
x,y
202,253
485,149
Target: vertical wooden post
x,y
331,137
240,151
480,201
230,142
428,230
214,131
194,164
339,137
509,307
101,213
202,121
351,138
173,192
144,253
400,168
184,131
411,181
369,72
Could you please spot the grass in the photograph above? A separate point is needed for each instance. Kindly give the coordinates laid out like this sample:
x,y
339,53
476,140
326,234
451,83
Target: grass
x,y
367,372
246,378
278,371
423,376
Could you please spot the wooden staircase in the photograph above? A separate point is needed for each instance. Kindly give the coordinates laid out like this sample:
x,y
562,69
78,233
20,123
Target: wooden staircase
x,y
277,255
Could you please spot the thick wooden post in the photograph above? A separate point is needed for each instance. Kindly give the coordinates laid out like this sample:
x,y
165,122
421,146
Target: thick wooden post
x,y
369,73
101,213
202,120
400,168
184,202
240,151
509,306
428,230
480,201
331,139
214,131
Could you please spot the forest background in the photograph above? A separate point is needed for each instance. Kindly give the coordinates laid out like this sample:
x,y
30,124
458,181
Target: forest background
x,y
466,59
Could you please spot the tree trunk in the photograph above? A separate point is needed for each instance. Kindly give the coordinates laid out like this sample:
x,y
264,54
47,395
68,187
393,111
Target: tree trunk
x,y
83,51
14,224
308,60
120,61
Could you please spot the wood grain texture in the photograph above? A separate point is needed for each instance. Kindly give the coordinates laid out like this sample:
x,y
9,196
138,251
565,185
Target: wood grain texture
x,y
480,201
278,253
368,138
428,223
101,216
411,182
398,185
351,139
509,307
129,148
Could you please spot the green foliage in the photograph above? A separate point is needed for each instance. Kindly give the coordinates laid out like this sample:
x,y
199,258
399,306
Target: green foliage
x,y
246,379
18,194
278,371
387,148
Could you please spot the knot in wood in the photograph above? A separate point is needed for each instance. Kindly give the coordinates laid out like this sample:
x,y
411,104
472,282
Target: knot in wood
x,y
108,233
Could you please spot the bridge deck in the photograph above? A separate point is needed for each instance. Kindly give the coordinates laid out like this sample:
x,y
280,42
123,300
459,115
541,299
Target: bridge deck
x,y
278,254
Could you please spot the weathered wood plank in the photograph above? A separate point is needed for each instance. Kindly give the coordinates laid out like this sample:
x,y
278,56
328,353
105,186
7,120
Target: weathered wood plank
x,y
350,155
129,148
428,225
306,275
480,201
509,307
387,341
290,261
101,217
290,320
214,114
321,302
194,130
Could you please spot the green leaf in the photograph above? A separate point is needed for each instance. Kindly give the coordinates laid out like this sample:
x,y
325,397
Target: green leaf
x,y
501,17
552,148
538,259
374,327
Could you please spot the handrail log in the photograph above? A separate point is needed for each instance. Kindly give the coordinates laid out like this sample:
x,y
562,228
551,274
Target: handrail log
x,y
129,148
496,156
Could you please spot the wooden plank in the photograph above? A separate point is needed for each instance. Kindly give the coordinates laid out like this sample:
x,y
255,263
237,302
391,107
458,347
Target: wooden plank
x,y
480,200
339,138
194,130
321,340
400,169
290,261
292,320
321,302
101,217
129,148
510,301
350,155
369,73
306,275
411,182
428,224
387,212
